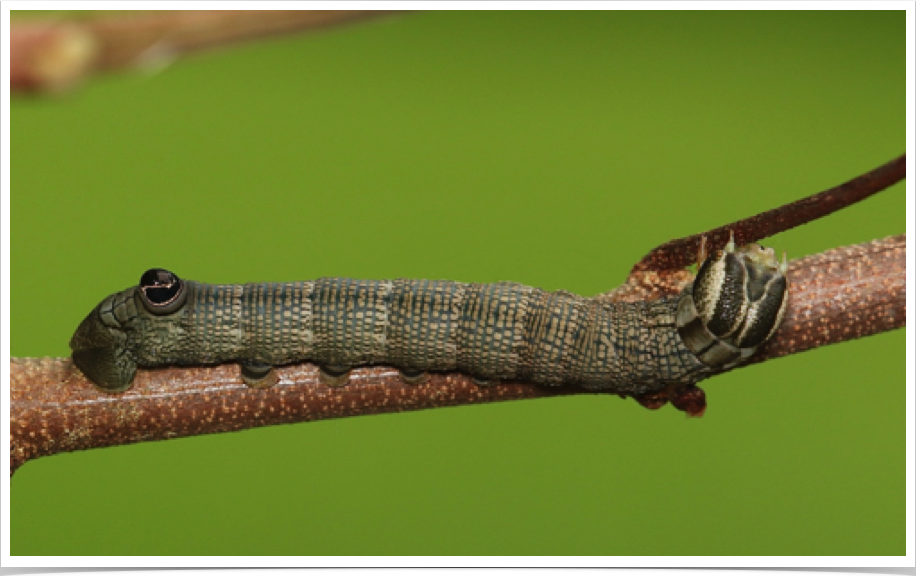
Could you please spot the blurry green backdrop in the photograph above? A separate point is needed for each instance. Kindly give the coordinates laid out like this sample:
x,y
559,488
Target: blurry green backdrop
x,y
550,148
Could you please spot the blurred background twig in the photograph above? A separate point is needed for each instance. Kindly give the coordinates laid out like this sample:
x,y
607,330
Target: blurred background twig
x,y
54,55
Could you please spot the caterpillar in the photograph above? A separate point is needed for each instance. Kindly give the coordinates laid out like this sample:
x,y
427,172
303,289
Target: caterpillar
x,y
490,331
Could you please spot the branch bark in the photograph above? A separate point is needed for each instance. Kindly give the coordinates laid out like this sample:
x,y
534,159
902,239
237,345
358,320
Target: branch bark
x,y
837,295
51,56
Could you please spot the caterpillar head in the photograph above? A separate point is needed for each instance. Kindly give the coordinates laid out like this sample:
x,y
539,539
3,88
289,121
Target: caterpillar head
x,y
101,343
734,305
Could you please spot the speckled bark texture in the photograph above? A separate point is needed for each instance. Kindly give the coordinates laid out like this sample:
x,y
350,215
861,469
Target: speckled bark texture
x,y
841,295
838,295
56,409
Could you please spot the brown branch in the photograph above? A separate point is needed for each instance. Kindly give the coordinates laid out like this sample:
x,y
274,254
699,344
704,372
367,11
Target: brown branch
x,y
843,294
52,56
838,295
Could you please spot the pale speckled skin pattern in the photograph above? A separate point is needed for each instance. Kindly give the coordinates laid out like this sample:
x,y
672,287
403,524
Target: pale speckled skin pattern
x,y
491,331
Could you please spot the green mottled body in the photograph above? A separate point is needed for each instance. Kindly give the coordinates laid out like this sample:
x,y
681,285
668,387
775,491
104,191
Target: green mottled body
x,y
491,331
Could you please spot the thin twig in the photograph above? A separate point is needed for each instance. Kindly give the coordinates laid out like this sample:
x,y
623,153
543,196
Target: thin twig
x,y
838,295
677,254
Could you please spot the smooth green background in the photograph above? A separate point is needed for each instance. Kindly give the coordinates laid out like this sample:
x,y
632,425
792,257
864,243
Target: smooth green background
x,y
553,149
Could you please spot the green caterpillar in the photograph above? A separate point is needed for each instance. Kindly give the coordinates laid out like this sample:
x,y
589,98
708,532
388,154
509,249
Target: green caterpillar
x,y
490,331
